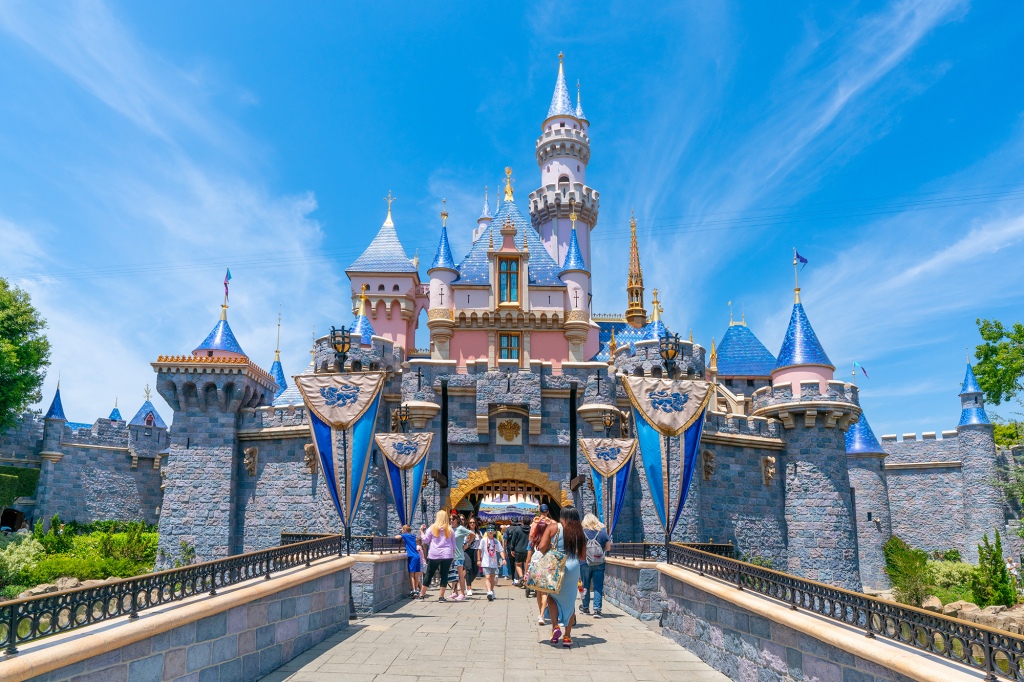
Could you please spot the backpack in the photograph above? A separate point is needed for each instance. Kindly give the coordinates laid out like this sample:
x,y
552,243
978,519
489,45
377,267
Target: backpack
x,y
595,552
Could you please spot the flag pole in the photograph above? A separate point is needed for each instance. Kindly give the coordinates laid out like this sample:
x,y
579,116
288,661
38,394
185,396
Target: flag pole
x,y
796,279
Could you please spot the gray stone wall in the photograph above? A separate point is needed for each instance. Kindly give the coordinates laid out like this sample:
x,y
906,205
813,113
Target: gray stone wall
x,y
380,583
917,450
983,501
237,645
24,439
927,507
871,497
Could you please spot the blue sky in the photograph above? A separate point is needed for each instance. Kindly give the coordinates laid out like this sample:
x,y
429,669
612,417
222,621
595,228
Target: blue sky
x,y
146,146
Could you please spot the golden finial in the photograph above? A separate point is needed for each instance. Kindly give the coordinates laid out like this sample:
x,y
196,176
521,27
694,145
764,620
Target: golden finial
x,y
277,349
444,210
490,235
691,334
416,259
572,211
560,57
656,308
312,345
147,392
713,362
632,221
224,311
612,345
508,183
390,199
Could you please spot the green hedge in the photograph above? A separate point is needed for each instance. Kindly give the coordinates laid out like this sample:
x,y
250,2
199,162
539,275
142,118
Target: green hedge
x,y
28,479
8,490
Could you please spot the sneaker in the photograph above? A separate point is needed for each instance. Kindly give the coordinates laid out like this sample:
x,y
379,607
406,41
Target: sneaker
x,y
441,599
490,596
469,593
556,634
597,613
515,583
459,597
566,643
541,621
585,609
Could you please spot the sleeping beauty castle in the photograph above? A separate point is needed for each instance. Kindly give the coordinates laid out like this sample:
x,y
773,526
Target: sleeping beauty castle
x,y
526,395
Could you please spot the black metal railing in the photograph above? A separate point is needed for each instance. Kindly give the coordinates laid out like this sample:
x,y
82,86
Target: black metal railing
x,y
649,551
25,620
994,652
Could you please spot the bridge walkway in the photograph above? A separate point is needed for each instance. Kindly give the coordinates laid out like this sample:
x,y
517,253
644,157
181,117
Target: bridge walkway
x,y
497,641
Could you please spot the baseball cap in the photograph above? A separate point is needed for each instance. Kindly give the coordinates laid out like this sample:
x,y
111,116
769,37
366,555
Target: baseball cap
x,y
544,508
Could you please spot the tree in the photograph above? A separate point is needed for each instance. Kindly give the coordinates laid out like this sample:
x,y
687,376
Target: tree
x,y
992,583
1000,367
24,353
908,570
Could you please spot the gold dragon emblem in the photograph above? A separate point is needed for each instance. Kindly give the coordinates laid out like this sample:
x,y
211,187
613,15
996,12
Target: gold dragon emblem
x,y
509,430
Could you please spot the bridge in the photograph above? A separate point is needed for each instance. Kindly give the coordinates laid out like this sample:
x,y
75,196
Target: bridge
x,y
318,608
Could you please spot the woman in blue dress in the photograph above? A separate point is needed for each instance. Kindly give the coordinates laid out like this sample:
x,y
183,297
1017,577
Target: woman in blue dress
x,y
566,535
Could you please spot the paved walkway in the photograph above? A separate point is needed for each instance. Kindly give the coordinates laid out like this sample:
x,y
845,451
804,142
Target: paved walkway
x,y
492,642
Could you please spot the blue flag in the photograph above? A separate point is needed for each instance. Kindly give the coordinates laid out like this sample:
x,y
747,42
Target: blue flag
x,y
227,278
800,259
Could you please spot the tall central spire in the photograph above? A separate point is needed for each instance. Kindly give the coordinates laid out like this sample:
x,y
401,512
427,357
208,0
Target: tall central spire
x,y
561,105
636,315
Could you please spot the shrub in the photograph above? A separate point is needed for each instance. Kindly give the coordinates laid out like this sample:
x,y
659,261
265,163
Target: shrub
x,y
134,544
59,539
946,555
991,582
17,554
952,580
50,568
908,571
8,490
28,480
757,560
12,591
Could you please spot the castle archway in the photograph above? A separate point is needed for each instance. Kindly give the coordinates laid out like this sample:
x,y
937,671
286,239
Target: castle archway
x,y
507,478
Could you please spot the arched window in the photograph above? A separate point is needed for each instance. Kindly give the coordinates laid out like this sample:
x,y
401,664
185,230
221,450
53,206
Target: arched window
x,y
395,288
149,419
380,287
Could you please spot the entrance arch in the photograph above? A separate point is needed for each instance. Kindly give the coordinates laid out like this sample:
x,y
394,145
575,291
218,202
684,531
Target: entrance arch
x,y
507,478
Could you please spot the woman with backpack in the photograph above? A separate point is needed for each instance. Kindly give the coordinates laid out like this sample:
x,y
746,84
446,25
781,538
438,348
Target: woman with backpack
x,y
567,536
592,570
439,540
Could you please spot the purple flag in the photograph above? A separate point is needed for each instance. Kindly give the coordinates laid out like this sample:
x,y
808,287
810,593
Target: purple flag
x,y
800,259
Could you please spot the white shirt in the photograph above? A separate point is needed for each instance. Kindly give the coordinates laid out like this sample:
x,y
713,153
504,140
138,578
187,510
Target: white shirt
x,y
490,550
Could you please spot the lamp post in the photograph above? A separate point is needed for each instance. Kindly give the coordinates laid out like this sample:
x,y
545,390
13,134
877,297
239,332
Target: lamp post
x,y
402,412
608,418
668,346
341,342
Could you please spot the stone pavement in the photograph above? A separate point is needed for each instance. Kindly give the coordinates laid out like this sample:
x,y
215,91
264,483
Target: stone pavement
x,y
497,641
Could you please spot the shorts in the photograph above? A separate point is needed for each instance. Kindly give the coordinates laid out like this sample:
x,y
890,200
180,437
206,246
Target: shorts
x,y
520,557
458,563
435,565
414,564
490,570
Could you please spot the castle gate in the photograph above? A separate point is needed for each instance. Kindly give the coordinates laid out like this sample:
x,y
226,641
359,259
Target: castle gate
x,y
507,478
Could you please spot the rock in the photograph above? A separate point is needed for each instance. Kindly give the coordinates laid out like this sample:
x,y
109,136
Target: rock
x,y
953,608
994,609
993,620
68,583
45,588
932,604
968,610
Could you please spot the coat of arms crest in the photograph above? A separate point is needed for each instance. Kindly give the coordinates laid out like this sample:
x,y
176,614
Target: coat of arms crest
x,y
509,430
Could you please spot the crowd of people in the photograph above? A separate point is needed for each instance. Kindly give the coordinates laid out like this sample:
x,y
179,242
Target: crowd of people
x,y
457,551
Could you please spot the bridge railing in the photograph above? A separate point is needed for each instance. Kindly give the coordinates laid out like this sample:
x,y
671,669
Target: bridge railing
x,y
997,653
26,620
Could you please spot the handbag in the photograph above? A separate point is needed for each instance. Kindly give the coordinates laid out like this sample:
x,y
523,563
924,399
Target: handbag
x,y
545,574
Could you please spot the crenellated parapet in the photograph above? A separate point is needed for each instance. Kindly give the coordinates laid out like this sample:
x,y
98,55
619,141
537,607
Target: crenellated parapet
x,y
643,358
552,202
380,354
838,406
212,384
563,142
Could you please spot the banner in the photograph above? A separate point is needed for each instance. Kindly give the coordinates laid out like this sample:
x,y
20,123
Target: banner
x,y
504,510
662,410
405,457
342,418
611,461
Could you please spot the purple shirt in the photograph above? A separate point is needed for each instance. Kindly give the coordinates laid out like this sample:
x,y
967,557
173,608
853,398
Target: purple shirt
x,y
439,547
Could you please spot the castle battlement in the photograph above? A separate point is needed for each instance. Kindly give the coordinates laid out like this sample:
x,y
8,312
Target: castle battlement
x,y
741,425
924,435
808,391
551,201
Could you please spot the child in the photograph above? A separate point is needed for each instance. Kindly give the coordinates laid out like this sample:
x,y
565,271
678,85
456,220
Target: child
x,y
490,559
415,561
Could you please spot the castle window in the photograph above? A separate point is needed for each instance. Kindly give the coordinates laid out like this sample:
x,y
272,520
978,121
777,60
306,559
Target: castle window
x,y
562,124
577,166
728,383
508,280
380,287
149,419
750,383
395,288
508,346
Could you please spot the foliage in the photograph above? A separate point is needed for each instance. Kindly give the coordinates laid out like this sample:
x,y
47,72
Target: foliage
x,y
28,479
12,591
59,539
1000,360
992,582
17,553
112,527
185,556
757,560
1007,433
8,490
24,353
134,544
952,580
49,568
952,555
908,570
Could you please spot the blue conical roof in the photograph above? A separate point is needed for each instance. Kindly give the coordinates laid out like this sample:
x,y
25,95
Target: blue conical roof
x,y
801,345
970,382
277,371
573,257
384,254
362,329
221,338
475,267
860,439
115,415
741,354
579,107
147,409
561,105
56,410
654,330
486,212
443,258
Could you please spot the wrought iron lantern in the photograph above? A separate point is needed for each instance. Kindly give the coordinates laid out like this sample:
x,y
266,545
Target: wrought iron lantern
x,y
608,418
402,413
341,342
669,349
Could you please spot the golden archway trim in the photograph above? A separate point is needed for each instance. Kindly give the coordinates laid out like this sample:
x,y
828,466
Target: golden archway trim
x,y
505,471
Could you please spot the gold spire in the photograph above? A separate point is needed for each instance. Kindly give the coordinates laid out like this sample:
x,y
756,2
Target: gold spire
x,y
390,199
444,209
636,315
560,58
277,349
312,345
224,311
655,308
691,334
363,299
572,211
416,259
796,278
612,345
508,183
713,363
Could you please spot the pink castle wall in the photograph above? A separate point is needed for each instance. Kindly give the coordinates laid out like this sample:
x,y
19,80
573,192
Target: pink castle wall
x,y
549,347
467,345
795,375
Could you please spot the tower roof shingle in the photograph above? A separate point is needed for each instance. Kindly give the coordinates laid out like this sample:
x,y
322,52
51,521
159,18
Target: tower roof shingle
x,y
801,345
140,417
56,410
443,257
741,354
573,257
561,105
221,338
860,439
384,254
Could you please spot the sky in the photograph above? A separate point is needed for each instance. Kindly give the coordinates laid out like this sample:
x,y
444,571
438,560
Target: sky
x,y
145,147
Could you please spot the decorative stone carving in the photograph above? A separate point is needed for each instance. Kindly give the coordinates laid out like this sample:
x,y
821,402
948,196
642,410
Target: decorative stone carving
x,y
310,459
250,460
708,462
768,469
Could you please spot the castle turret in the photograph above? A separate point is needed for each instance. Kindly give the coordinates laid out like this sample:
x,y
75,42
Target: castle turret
x,y
563,152
815,412
362,331
865,460
983,502
636,315
442,272
53,429
115,414
486,216
577,285
276,370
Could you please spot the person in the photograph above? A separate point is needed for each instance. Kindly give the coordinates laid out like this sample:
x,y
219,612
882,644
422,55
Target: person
x,y
541,522
520,552
490,558
471,565
439,540
511,540
592,570
463,538
412,551
566,535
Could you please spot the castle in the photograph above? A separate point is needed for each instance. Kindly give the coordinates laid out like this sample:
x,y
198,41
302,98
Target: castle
x,y
789,469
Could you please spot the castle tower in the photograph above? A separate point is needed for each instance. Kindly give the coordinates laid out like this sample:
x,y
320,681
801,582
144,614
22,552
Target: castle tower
x,y
577,285
206,390
442,272
276,370
815,413
983,502
636,315
865,460
53,429
115,414
388,279
486,216
563,152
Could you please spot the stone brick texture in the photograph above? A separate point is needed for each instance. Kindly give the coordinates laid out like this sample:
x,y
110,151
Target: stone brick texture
x,y
238,645
871,496
379,584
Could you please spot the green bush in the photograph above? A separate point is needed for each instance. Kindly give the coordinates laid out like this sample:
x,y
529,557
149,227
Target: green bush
x,y
908,571
8,490
17,554
946,555
12,591
49,568
59,539
952,580
134,544
992,582
28,479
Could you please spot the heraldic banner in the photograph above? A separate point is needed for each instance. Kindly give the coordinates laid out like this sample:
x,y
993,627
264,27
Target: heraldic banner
x,y
405,456
664,409
611,460
343,416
